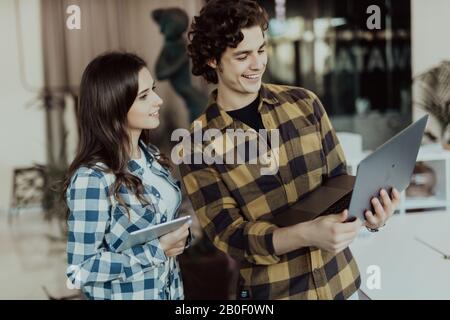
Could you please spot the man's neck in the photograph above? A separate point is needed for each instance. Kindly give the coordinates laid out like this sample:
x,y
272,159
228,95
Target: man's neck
x,y
231,100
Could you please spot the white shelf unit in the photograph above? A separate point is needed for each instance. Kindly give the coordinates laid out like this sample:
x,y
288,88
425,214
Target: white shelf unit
x,y
438,159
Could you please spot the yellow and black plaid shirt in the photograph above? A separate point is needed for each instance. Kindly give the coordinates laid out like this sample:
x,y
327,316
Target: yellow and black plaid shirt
x,y
234,202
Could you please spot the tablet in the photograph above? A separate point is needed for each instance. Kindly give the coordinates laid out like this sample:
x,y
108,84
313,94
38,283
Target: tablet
x,y
152,232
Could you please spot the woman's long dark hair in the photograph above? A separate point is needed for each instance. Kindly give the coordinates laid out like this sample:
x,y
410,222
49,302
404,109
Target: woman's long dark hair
x,y
109,87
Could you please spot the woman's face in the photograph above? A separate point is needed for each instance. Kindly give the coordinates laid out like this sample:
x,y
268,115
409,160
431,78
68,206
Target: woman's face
x,y
144,113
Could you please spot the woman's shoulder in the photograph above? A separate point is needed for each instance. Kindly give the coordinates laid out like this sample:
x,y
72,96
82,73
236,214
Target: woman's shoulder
x,y
92,175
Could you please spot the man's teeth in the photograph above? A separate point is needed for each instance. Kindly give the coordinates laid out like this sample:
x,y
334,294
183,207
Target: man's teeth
x,y
251,76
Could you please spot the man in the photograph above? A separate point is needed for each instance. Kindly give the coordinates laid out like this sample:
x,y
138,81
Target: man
x,y
234,202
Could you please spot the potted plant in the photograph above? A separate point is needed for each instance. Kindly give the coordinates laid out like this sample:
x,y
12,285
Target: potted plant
x,y
434,97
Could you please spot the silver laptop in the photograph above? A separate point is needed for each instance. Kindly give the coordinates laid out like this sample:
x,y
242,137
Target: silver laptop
x,y
391,165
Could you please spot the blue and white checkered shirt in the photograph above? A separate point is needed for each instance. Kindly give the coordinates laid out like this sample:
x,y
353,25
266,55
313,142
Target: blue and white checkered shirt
x,y
98,224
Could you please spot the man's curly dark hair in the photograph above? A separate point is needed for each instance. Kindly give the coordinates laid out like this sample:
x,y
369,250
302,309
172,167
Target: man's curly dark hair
x,y
219,26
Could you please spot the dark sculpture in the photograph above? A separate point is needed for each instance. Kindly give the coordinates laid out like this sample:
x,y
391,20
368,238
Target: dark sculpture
x,y
173,61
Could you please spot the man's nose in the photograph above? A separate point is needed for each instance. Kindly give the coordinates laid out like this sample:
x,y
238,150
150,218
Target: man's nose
x,y
257,62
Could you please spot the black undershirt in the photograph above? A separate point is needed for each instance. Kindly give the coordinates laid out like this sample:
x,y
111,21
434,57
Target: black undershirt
x,y
249,115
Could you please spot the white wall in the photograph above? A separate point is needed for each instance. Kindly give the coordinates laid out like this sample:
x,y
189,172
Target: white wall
x,y
22,131
430,23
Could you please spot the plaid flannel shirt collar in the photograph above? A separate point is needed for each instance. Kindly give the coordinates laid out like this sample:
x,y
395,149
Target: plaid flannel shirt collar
x,y
134,167
220,119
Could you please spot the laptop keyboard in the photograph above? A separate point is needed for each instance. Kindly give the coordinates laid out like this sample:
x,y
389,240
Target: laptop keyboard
x,y
340,205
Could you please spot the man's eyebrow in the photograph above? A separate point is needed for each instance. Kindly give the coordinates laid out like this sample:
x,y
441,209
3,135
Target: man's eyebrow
x,y
237,53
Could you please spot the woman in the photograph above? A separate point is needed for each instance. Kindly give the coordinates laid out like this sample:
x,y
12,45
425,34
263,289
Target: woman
x,y
119,183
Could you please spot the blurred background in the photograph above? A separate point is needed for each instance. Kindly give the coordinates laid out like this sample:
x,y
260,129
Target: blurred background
x,y
373,83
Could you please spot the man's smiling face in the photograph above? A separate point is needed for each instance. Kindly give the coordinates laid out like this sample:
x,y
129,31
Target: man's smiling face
x,y
240,69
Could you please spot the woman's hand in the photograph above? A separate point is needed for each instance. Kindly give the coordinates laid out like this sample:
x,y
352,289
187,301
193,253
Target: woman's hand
x,y
384,209
173,243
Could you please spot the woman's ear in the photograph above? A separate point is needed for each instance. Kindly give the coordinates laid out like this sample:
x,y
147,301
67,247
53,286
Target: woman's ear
x,y
212,63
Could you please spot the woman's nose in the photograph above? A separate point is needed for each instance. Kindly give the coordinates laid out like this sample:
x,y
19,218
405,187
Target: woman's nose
x,y
158,101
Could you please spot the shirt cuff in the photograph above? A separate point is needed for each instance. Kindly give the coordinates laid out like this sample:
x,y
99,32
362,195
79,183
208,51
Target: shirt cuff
x,y
189,239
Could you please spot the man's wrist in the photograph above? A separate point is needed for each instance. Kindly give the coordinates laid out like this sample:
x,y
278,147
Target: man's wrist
x,y
301,233
375,229
288,239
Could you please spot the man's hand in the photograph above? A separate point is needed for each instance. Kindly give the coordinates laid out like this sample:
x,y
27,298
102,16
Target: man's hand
x,y
331,232
384,209
174,242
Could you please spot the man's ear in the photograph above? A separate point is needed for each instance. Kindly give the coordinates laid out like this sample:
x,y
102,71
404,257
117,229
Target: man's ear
x,y
212,63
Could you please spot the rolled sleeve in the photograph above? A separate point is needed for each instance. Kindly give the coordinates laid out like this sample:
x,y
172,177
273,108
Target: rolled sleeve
x,y
222,220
